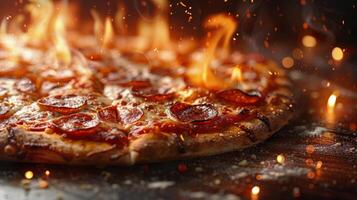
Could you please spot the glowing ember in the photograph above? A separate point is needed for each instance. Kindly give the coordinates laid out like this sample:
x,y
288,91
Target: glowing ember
x,y
310,149
331,102
108,32
309,41
29,175
311,175
236,75
63,53
337,53
280,159
287,62
255,190
319,164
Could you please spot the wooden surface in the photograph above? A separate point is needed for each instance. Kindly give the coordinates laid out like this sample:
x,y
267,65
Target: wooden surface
x,y
320,163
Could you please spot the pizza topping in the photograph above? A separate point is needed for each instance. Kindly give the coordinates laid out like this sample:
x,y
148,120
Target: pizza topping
x,y
130,115
32,118
64,104
25,85
113,136
5,109
136,83
76,125
10,68
37,126
152,94
58,75
193,113
238,97
109,114
220,122
3,92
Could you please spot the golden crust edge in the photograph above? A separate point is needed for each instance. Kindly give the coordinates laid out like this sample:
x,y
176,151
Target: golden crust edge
x,y
148,148
154,147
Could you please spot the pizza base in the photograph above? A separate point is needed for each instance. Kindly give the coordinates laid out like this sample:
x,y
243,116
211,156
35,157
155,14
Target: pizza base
x,y
19,145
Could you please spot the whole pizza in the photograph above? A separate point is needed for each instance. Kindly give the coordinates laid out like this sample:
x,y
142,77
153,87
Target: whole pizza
x,y
121,107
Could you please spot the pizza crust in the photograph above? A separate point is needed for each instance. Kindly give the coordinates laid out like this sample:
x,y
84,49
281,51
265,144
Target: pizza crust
x,y
154,147
20,145
17,144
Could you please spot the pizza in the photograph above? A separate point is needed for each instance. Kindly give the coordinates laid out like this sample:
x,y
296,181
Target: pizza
x,y
68,100
117,110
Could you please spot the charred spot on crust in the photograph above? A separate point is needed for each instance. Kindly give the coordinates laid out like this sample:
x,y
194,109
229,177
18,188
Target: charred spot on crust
x,y
11,136
181,148
250,133
265,120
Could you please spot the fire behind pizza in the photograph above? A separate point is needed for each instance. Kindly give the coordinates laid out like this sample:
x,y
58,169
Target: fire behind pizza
x,y
80,104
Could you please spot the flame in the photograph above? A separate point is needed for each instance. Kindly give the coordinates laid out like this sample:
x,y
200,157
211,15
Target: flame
x,y
108,34
225,27
63,52
120,18
98,26
3,27
41,12
9,42
155,33
103,32
331,102
237,75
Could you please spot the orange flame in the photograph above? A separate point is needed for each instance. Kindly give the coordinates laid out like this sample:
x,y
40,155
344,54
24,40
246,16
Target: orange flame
x,y
331,102
120,18
225,27
63,52
108,34
237,75
41,12
337,53
9,42
3,27
155,33
104,32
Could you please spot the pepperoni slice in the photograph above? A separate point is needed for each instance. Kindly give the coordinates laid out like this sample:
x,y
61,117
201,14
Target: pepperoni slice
x,y
64,104
136,83
238,97
5,109
152,94
77,125
8,68
38,126
33,120
130,115
109,114
25,85
193,113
